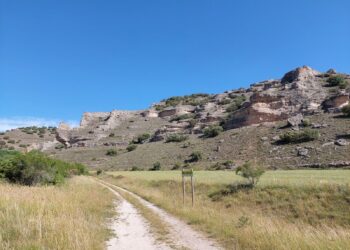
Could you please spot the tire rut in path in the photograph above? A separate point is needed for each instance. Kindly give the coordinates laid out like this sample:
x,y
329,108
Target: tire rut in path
x,y
131,229
181,234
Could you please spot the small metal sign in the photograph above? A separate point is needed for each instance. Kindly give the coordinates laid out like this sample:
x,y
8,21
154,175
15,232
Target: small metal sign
x,y
187,173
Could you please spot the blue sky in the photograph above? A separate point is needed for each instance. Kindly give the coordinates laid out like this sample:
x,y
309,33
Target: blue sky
x,y
61,58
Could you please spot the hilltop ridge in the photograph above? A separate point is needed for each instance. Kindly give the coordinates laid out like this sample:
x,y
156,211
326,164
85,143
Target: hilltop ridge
x,y
301,96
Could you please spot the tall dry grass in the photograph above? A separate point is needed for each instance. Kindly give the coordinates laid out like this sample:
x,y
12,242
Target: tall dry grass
x,y
285,217
71,216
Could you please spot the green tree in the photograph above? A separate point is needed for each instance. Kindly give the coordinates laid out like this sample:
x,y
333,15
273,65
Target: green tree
x,y
251,172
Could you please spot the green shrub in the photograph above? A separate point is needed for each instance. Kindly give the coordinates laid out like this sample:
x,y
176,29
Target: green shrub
x,y
131,147
11,141
337,81
59,146
251,172
135,168
195,156
222,165
99,171
224,101
42,130
22,145
111,152
236,103
299,136
176,138
346,110
6,137
156,167
176,166
111,135
182,117
192,123
306,123
194,100
141,138
212,131
36,168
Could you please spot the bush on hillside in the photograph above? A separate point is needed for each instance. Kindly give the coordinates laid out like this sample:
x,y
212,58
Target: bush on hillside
x,y
176,166
251,172
236,103
111,152
182,117
59,146
346,110
194,100
195,156
306,123
141,138
36,168
339,81
176,138
299,136
212,131
156,167
131,147
222,165
135,168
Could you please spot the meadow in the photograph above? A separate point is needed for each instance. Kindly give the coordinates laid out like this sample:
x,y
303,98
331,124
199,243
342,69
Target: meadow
x,y
72,215
296,209
277,177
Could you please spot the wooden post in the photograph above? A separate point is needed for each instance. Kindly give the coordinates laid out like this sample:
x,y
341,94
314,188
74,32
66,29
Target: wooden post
x,y
183,190
187,173
192,188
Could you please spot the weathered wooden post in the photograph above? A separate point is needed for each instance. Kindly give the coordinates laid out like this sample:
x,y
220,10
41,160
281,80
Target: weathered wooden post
x,y
192,188
187,173
183,189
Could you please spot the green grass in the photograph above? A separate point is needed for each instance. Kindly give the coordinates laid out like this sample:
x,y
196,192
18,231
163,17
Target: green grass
x,y
278,177
291,209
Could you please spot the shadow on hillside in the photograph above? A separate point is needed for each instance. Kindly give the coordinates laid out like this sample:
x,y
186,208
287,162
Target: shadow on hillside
x,y
229,190
341,117
343,136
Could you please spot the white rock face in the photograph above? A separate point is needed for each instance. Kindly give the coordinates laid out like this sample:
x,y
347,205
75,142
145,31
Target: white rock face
x,y
300,74
116,117
105,120
91,118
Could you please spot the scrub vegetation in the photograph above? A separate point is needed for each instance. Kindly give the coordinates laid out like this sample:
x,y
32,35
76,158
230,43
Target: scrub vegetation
x,y
70,216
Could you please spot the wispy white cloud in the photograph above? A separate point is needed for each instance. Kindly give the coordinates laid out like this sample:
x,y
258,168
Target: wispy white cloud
x,y
17,122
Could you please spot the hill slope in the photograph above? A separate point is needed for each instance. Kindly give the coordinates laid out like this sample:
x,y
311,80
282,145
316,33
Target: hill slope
x,y
304,101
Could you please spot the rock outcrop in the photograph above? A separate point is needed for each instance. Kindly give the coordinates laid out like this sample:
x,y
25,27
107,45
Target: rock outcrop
x,y
302,91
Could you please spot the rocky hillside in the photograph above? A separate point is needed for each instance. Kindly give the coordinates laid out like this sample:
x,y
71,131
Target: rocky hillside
x,y
295,121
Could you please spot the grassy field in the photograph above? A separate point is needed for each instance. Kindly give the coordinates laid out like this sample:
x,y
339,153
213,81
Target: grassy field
x,y
278,177
70,216
303,209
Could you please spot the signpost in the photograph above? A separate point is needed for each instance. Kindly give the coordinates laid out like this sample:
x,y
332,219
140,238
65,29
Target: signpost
x,y
187,173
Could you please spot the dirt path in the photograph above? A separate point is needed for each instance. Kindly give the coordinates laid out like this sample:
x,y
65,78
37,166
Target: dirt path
x,y
181,234
132,230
